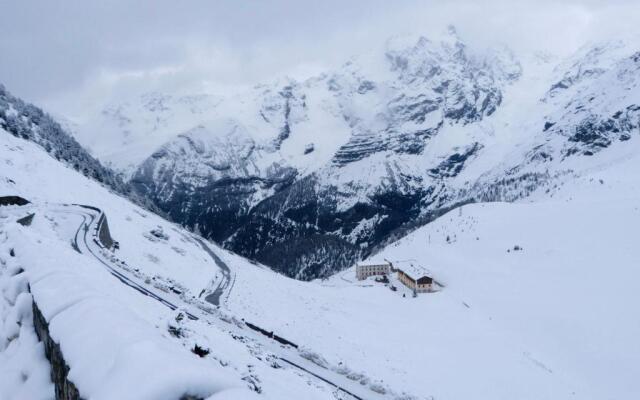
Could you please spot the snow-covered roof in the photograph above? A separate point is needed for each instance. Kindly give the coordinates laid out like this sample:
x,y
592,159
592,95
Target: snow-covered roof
x,y
370,264
412,268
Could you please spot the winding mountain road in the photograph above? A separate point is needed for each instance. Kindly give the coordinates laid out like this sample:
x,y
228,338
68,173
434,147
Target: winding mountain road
x,y
85,242
81,243
214,298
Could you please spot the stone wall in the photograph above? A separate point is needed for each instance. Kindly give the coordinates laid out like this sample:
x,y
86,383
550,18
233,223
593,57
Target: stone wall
x,y
64,388
104,235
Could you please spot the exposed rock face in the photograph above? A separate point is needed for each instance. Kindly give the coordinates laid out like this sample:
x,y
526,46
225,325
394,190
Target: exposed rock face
x,y
597,99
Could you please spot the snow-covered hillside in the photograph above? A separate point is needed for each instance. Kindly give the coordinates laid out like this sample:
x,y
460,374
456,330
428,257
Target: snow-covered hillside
x,y
115,316
29,122
539,298
551,281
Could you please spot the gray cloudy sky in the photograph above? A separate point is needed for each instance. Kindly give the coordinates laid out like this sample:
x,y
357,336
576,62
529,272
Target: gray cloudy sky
x,y
65,54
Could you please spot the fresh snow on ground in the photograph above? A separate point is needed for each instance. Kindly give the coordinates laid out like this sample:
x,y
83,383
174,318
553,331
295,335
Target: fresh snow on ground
x,y
24,371
551,321
111,334
110,347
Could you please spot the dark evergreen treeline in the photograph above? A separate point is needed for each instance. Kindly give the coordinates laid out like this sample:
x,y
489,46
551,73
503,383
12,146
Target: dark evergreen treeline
x,y
26,121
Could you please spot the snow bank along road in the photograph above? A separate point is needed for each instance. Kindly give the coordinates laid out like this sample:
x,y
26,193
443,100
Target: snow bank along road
x,y
85,242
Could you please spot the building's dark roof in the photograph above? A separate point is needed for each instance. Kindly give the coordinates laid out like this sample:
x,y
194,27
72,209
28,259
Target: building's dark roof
x,y
425,280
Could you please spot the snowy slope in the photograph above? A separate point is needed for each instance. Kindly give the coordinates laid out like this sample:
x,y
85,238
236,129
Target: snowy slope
x,y
565,301
29,122
553,320
109,347
84,301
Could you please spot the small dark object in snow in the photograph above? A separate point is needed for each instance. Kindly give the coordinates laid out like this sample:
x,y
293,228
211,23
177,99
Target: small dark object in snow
x,y
179,317
159,233
382,279
12,253
199,351
190,397
253,382
275,365
238,338
13,201
26,221
309,148
517,248
176,331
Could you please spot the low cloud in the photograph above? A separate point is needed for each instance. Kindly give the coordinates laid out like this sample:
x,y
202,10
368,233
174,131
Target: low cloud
x,y
72,55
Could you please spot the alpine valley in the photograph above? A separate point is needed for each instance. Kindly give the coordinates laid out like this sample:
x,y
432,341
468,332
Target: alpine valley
x,y
310,176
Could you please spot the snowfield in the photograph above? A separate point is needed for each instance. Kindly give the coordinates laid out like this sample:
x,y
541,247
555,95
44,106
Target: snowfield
x,y
539,299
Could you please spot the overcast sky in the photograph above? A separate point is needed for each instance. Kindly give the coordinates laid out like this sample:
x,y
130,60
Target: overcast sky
x,y
65,54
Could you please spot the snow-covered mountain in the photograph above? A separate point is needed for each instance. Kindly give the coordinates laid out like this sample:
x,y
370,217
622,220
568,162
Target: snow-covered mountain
x,y
124,134
309,176
538,299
